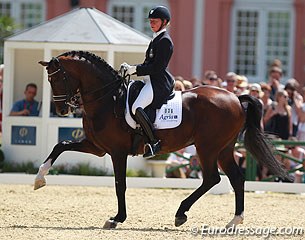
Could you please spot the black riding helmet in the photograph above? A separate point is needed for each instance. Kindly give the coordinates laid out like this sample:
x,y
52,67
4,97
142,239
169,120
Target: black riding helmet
x,y
160,12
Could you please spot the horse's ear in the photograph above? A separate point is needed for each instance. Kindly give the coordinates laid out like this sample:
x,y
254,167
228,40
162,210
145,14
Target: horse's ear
x,y
43,63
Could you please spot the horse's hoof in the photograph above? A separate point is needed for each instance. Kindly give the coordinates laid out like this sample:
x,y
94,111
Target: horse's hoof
x,y
39,183
110,224
238,219
180,220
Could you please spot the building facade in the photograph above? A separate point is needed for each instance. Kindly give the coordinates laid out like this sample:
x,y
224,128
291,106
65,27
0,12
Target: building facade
x,y
243,36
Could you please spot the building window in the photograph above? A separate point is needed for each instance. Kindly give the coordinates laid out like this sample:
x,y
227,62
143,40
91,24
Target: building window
x,y
5,9
277,39
124,14
26,13
260,34
246,33
31,14
134,12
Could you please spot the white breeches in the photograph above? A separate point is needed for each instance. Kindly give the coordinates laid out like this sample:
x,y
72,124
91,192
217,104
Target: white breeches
x,y
145,97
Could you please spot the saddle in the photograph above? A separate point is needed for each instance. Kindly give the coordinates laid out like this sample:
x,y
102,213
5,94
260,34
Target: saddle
x,y
133,92
168,115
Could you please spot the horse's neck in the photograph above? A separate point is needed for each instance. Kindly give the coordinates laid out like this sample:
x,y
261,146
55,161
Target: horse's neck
x,y
92,80
97,90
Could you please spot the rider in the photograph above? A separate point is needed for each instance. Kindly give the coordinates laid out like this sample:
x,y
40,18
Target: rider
x,y
159,83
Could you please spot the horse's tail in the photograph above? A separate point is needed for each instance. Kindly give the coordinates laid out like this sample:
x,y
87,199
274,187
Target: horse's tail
x,y
255,141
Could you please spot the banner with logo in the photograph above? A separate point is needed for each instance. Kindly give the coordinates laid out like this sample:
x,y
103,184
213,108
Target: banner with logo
x,y
73,134
23,135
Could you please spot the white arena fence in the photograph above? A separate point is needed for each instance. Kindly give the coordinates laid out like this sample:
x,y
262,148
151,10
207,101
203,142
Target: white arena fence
x,y
140,182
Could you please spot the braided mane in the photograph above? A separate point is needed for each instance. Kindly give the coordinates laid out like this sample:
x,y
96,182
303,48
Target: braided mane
x,y
93,59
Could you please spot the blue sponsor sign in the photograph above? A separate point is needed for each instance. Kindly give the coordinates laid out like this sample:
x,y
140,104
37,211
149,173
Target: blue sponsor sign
x,y
23,135
73,134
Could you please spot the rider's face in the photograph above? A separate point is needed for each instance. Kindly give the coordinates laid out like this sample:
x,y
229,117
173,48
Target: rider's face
x,y
155,24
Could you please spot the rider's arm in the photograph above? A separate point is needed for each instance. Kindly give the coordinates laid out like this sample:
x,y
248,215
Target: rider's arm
x,y
163,54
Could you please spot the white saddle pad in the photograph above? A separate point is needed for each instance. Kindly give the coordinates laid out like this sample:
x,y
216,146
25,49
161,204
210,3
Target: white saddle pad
x,y
168,116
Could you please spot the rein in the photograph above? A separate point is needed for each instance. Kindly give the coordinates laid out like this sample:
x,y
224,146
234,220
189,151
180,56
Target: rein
x,y
117,83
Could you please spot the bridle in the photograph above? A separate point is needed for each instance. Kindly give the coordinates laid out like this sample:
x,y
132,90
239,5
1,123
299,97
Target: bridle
x,y
71,99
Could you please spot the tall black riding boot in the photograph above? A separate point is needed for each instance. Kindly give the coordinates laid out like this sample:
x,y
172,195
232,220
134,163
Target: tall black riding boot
x,y
154,144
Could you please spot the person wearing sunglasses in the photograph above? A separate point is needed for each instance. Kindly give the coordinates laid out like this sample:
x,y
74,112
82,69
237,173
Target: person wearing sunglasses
x,y
230,82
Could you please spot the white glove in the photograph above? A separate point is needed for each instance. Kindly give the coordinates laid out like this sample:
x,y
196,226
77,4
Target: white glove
x,y
130,69
124,65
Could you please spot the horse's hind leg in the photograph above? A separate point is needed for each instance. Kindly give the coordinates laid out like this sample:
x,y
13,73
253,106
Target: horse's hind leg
x,y
208,160
231,169
80,146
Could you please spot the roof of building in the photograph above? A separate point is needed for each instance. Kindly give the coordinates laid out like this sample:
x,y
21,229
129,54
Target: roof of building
x,y
83,25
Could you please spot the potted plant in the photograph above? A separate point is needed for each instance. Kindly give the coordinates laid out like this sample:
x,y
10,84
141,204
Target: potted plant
x,y
158,165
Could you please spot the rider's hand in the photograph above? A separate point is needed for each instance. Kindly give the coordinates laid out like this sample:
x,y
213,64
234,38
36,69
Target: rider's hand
x,y
129,69
124,65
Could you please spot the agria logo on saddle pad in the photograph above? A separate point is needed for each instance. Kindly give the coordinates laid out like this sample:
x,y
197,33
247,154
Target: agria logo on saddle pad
x,y
170,114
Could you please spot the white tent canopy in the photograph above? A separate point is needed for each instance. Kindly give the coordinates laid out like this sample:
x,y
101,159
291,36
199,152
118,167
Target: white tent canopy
x,y
84,29
84,25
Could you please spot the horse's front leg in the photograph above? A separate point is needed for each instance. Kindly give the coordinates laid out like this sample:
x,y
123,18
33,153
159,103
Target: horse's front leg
x,y
80,146
119,162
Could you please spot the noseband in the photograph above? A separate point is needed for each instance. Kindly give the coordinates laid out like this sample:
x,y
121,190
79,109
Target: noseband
x,y
69,98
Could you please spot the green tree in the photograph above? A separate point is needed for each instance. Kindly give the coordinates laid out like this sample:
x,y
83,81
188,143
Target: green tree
x,y
7,28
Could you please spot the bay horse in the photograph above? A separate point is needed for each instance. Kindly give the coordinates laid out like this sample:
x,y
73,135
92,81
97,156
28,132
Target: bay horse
x,y
212,119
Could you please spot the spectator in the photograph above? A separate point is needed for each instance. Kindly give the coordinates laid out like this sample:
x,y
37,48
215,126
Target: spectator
x,y
176,161
298,153
275,75
300,110
195,169
195,82
187,84
267,102
210,78
241,85
27,106
280,116
240,158
179,86
291,88
230,82
302,92
276,63
1,96
218,83
255,90
178,78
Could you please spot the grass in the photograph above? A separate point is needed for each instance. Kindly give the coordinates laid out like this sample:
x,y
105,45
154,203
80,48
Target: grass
x,y
79,169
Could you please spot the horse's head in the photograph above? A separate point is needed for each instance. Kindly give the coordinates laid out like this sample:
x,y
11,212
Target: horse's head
x,y
64,86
